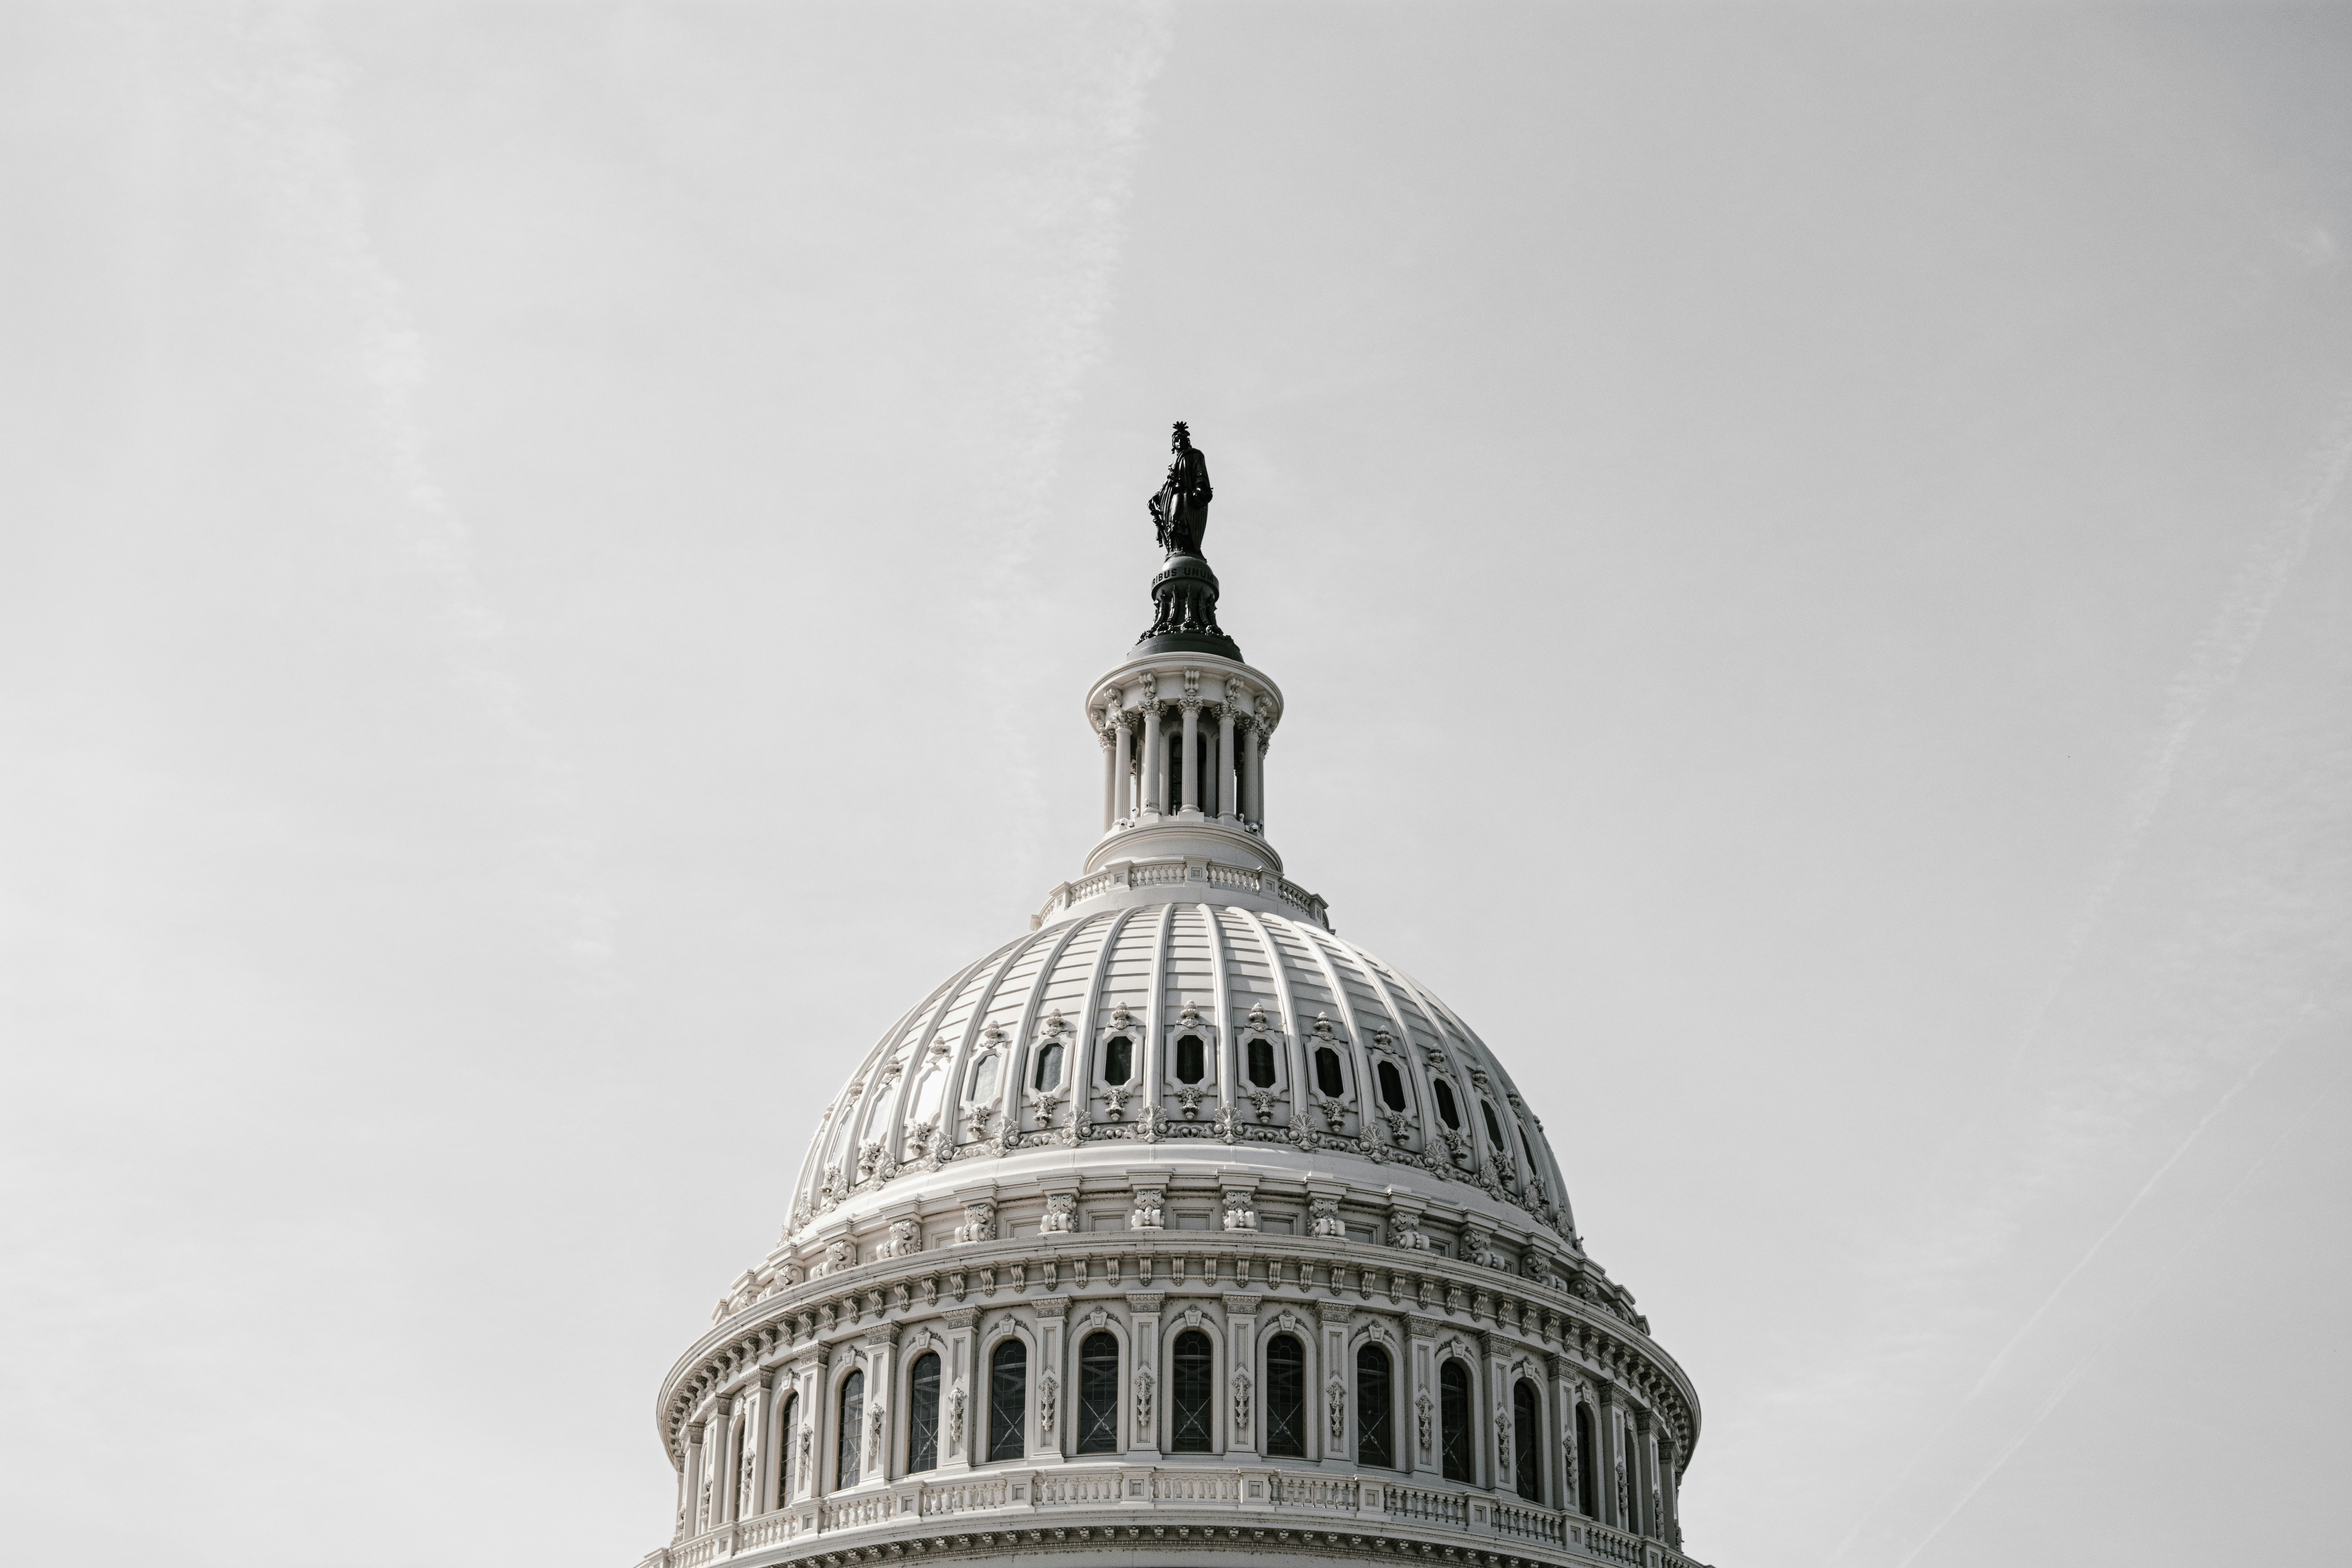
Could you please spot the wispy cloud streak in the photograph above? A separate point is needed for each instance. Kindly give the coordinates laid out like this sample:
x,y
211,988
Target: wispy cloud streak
x,y
2212,664
2196,1238
288,90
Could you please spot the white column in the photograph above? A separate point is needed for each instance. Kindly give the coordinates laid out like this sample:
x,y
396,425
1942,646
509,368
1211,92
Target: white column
x,y
1143,1371
1123,770
730,1463
1111,780
1562,1469
1228,802
1192,773
958,1377
1163,772
1155,773
1670,1528
1612,1454
1253,757
1338,1453
1646,1475
763,1447
881,1389
1241,1363
1422,1400
1053,1360
690,1484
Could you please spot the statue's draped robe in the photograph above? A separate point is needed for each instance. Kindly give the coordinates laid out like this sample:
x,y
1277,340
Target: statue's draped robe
x,y
1182,506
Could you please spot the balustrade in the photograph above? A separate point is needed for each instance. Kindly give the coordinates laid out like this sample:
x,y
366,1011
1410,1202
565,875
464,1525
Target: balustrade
x,y
1314,1491
1449,1508
1080,1487
1530,1523
1224,1487
1613,1546
962,1497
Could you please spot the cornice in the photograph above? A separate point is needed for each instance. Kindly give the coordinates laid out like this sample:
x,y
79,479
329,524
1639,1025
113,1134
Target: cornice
x,y
1450,1295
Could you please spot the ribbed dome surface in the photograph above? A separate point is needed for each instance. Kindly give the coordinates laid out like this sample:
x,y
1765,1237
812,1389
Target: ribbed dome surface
x,y
1205,1028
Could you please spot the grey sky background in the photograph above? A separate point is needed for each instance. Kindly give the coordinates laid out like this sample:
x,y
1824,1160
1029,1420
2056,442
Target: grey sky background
x,y
550,555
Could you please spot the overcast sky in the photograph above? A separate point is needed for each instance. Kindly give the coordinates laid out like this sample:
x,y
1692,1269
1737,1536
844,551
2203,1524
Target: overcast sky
x,y
550,557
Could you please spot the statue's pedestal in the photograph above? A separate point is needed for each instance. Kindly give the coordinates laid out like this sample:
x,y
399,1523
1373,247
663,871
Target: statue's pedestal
x,y
1184,618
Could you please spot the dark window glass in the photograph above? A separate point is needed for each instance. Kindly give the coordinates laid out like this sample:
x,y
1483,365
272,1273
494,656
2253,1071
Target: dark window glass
x,y
1286,1396
1049,1067
1327,1073
1118,1059
1454,1419
1494,1127
1008,1399
853,1426
1373,1415
1447,1111
1261,1063
923,1414
1099,1395
1392,1087
1192,1060
1527,1432
1192,1404
1587,1498
786,1442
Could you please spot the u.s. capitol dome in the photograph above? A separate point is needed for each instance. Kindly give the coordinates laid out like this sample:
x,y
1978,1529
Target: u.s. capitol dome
x,y
1178,1228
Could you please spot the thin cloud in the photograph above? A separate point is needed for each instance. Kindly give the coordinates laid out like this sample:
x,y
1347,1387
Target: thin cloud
x,y
288,89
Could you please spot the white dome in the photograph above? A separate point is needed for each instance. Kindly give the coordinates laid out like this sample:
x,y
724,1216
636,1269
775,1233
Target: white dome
x,y
1127,1036
1178,1226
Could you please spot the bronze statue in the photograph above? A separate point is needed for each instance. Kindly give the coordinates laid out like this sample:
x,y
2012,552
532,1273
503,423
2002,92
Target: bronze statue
x,y
1179,511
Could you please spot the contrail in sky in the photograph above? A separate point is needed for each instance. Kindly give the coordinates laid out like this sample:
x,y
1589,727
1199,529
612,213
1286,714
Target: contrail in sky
x,y
288,88
2066,1384
2213,664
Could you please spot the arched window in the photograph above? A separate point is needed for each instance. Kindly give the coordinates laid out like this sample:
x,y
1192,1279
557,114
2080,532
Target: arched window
x,y
1118,1059
1392,1087
1588,1490
787,1426
923,1413
852,1429
1527,1433
747,1481
1261,1063
984,1077
1454,1419
1286,1396
1192,1060
1447,1111
1192,1395
1049,1066
1374,1412
1493,1129
1008,1400
1327,1073
1099,1395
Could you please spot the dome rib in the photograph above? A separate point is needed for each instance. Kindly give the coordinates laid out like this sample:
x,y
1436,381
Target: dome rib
x,y
1025,1029
1155,1005
1280,971
1220,992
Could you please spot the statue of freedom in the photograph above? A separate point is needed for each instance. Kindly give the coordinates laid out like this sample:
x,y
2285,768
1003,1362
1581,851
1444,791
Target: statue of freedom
x,y
1179,511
